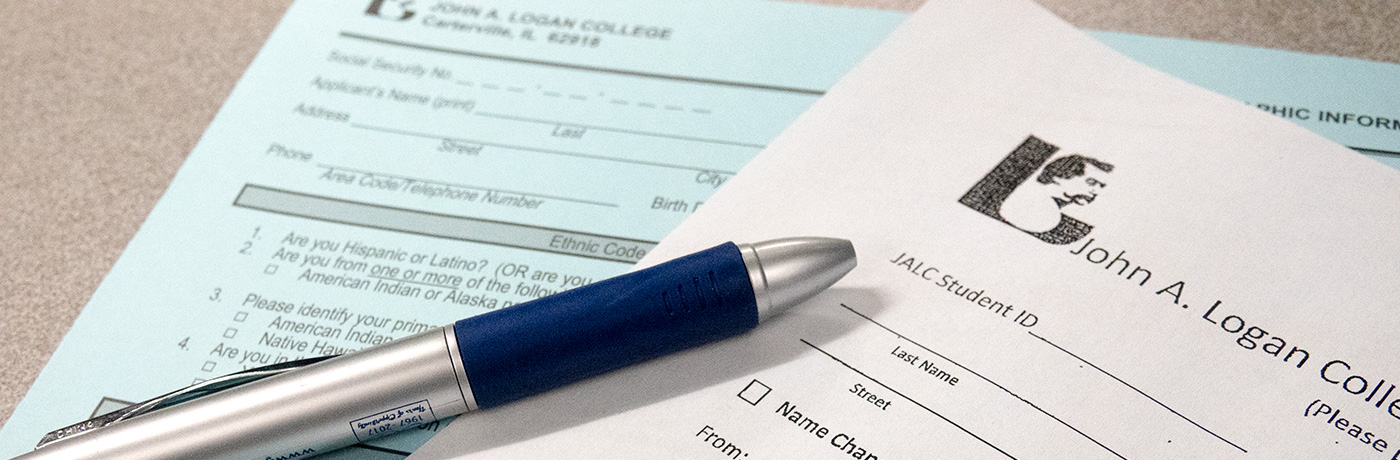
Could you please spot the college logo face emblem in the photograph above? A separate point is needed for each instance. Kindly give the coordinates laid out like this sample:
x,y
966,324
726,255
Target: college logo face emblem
x,y
395,10
1009,194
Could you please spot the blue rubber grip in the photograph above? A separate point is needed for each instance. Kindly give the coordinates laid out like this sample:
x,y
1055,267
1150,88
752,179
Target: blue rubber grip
x,y
543,344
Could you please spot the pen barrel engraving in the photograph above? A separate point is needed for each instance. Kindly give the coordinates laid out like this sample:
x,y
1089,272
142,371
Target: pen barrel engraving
x,y
316,409
547,343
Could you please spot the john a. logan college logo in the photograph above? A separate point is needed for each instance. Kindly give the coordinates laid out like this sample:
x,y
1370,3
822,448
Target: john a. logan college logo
x,y
394,10
1036,206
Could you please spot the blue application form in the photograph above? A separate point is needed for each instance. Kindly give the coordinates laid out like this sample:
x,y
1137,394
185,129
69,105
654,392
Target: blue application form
x,y
1352,102
386,167
382,168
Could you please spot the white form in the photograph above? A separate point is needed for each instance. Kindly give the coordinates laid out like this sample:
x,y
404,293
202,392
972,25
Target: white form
x,y
386,166
1063,255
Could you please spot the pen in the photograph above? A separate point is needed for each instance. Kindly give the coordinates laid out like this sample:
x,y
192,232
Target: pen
x,y
478,362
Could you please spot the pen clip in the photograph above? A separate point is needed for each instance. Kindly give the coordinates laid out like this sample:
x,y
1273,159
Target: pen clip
x,y
185,394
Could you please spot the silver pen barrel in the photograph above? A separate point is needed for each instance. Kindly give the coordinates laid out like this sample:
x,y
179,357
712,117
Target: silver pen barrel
x,y
516,352
324,406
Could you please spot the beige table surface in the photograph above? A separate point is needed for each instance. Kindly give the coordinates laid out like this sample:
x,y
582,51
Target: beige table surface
x,y
100,101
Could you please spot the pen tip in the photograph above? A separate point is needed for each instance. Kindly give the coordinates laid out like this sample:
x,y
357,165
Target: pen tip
x,y
788,271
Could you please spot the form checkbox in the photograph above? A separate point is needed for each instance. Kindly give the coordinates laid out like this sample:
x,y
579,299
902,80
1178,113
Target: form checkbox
x,y
271,269
209,366
754,392
230,333
240,316
197,381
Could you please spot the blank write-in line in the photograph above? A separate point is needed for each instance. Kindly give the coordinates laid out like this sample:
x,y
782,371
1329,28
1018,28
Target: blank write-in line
x,y
619,130
921,405
465,186
380,449
988,380
1380,152
1144,394
579,67
536,149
